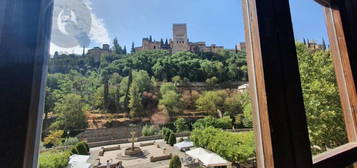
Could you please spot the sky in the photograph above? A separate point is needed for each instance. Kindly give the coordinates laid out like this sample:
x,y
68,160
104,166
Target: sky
x,y
213,21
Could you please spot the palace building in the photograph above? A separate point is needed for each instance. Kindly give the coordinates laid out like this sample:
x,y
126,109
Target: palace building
x,y
179,42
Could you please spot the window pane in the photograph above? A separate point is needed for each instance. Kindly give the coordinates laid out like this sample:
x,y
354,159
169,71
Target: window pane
x,y
320,91
133,78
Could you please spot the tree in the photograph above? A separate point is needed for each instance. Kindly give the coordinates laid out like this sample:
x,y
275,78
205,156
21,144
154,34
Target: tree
x,y
175,162
117,47
170,99
72,112
132,48
165,87
105,78
247,119
162,43
115,87
50,100
166,43
172,139
127,90
135,105
124,50
321,99
211,102
167,135
181,125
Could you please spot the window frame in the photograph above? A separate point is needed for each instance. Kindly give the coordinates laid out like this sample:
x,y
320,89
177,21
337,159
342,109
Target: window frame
x,y
341,26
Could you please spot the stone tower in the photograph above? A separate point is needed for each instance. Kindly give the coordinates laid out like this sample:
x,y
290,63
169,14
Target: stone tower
x,y
180,40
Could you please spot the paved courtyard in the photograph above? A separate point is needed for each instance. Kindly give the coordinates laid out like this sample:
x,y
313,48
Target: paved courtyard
x,y
140,162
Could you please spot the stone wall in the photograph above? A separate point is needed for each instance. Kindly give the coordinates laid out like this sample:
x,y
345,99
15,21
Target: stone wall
x,y
125,140
105,134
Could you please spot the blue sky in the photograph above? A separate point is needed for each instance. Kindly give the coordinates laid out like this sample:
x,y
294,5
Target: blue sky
x,y
214,21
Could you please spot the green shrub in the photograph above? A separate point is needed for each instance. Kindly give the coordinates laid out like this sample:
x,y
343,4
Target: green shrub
x,y
235,147
172,139
164,131
82,148
70,141
175,162
209,121
224,123
54,159
148,130
181,125
167,136
53,139
74,150
87,146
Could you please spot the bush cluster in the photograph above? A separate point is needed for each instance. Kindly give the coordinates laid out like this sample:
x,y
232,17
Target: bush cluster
x,y
209,121
80,148
53,139
235,147
54,159
181,125
175,162
169,136
148,130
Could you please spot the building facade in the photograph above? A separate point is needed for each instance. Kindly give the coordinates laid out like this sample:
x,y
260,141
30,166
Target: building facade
x,y
96,52
179,42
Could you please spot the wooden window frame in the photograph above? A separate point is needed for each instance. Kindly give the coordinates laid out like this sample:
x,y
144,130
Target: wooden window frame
x,y
268,28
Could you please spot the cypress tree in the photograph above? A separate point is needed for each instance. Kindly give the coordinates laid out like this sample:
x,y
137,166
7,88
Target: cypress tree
x,y
323,44
166,44
172,139
175,162
132,47
126,99
162,43
117,47
124,50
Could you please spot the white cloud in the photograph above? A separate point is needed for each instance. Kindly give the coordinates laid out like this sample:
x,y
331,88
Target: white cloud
x,y
75,50
98,34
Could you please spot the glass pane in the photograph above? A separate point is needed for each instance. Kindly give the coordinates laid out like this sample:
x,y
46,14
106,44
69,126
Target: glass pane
x,y
144,81
320,91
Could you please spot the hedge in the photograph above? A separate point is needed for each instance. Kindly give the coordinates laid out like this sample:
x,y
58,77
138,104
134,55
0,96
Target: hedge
x,y
54,159
59,159
235,147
